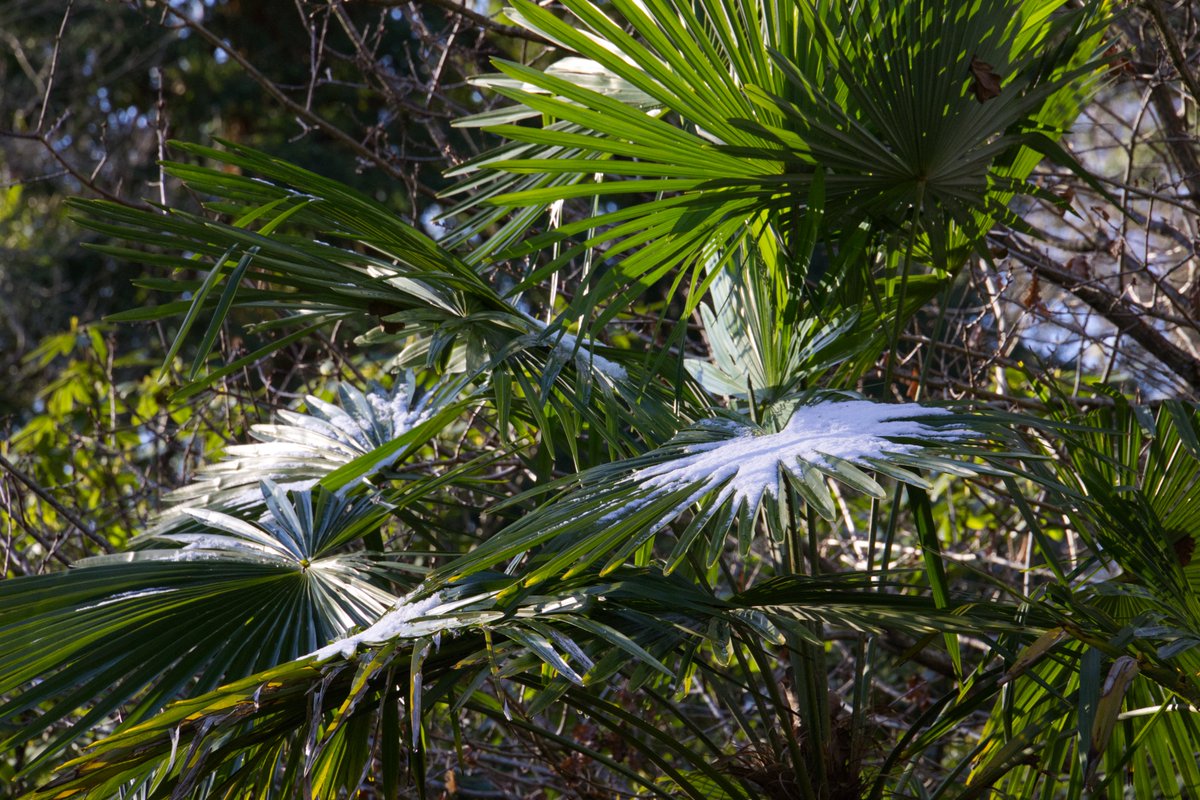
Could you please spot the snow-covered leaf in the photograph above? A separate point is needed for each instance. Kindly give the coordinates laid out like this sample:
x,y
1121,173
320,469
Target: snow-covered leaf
x,y
724,470
303,448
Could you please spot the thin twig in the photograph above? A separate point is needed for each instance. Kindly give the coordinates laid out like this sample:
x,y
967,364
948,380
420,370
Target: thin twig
x,y
1173,49
1110,306
278,94
66,513
474,16
68,168
62,29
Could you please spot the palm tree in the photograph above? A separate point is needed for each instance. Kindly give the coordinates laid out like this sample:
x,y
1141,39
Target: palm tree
x,y
649,609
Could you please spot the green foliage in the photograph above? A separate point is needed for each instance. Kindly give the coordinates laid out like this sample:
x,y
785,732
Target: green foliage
x,y
102,431
627,500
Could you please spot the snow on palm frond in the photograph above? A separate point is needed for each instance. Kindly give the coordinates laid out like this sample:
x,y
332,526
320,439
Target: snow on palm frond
x,y
725,470
748,463
410,618
567,345
303,448
183,612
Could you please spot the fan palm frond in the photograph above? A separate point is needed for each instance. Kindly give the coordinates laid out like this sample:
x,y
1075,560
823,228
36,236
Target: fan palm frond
x,y
767,104
312,723
217,599
805,177
758,346
319,253
725,471
1130,620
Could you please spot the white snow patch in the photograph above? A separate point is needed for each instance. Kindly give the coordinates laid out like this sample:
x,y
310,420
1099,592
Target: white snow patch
x,y
394,624
852,431
397,410
204,541
409,619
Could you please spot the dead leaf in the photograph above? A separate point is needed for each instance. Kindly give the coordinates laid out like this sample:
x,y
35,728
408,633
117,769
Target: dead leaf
x,y
1108,709
1080,267
1066,196
1118,62
1033,295
1034,653
985,81
1184,548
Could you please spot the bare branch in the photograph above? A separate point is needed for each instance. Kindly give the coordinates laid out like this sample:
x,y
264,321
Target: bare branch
x,y
66,513
1110,306
62,29
474,16
305,114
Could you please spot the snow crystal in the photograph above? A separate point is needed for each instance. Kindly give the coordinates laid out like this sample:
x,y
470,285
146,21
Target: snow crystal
x,y
750,462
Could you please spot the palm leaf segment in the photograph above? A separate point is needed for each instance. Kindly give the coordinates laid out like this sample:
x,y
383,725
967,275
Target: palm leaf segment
x,y
877,98
746,464
757,347
318,719
1133,477
254,594
320,253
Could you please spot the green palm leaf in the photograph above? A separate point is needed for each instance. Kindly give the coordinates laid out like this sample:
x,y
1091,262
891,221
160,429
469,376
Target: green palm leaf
x,y
215,600
1127,478
586,631
766,102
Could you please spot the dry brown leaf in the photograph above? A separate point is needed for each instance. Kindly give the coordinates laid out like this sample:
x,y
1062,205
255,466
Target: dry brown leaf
x,y
1066,196
1033,295
1080,267
985,81
1184,548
